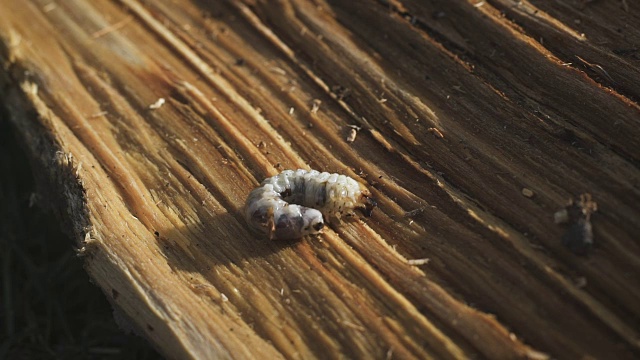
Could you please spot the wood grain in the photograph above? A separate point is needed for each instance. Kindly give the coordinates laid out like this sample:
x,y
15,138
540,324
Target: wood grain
x,y
460,104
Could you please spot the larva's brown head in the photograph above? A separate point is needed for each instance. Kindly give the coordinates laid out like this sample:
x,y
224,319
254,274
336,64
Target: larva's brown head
x,y
367,204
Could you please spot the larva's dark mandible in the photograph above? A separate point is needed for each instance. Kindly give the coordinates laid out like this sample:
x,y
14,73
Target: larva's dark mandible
x,y
292,204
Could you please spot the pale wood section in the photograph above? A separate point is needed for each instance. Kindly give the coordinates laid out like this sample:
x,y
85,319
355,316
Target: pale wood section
x,y
459,109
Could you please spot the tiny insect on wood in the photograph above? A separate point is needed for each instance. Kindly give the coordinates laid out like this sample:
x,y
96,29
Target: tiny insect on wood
x,y
296,203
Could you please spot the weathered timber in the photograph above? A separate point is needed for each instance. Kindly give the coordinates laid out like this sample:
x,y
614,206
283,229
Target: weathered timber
x,y
149,122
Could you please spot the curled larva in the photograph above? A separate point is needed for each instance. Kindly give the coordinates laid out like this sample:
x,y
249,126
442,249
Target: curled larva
x,y
292,204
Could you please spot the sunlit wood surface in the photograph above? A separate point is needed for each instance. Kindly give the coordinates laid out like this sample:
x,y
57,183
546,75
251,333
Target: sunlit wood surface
x,y
149,122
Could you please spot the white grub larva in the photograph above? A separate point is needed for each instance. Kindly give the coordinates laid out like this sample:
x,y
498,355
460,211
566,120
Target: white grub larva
x,y
295,203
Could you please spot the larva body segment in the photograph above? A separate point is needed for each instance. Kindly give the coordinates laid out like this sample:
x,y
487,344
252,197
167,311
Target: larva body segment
x,y
295,203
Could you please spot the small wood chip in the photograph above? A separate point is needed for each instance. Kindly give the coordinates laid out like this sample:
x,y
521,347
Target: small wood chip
x,y
278,70
352,135
156,105
98,114
417,262
353,132
536,355
437,133
315,106
561,216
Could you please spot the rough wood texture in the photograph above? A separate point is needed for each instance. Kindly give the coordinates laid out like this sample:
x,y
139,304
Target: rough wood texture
x,y
462,105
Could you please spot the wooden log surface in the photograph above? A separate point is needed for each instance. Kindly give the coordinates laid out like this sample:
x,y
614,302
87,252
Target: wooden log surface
x,y
463,108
